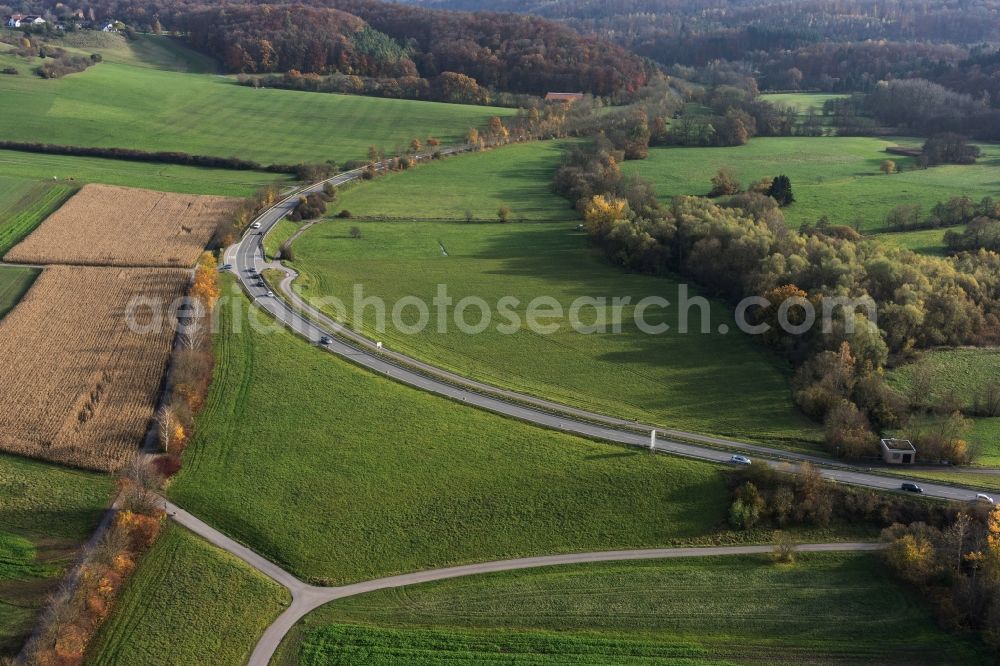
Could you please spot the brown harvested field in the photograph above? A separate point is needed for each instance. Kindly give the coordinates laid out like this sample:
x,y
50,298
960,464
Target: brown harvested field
x,y
102,225
77,386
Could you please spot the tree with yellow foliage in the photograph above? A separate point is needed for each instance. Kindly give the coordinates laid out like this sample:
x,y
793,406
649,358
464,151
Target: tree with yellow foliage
x,y
912,557
602,211
206,281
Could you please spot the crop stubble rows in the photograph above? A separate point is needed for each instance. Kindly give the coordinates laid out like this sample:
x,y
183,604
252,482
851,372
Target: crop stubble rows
x,y
103,225
76,384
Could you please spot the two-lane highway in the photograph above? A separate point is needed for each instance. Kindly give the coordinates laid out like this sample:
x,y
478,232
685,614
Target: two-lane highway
x,y
247,259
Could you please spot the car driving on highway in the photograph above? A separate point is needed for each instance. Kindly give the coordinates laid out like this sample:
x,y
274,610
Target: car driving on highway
x,y
911,487
739,460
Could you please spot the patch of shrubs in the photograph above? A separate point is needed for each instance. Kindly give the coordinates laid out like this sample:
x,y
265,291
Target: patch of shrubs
x,y
79,608
9,70
63,65
312,206
762,495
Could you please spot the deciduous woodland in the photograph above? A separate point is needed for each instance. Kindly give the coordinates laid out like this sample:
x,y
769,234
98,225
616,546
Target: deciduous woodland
x,y
370,38
741,247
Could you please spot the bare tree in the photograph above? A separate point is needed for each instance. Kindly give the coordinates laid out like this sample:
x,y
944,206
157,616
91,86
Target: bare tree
x,y
166,423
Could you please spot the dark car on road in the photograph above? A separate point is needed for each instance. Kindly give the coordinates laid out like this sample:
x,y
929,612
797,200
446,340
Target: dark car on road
x,y
911,487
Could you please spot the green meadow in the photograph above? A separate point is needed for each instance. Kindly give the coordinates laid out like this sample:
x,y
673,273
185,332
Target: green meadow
x,y
66,171
340,475
706,382
187,603
985,437
14,284
46,513
922,241
132,103
836,177
956,376
825,608
24,204
475,185
801,102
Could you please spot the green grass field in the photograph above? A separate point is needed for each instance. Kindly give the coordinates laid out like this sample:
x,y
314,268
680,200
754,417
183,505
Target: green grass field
x,y
517,176
829,608
340,475
46,513
14,284
802,102
278,235
985,436
834,176
188,603
74,171
957,375
24,204
134,105
711,383
923,241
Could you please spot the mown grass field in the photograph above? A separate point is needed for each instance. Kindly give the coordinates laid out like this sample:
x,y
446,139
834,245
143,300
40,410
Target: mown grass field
x,y
711,383
14,283
23,206
134,105
517,176
340,475
956,375
802,102
837,177
188,603
922,241
825,608
75,171
46,513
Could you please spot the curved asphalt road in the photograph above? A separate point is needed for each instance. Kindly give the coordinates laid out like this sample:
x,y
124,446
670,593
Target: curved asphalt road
x,y
247,258
306,598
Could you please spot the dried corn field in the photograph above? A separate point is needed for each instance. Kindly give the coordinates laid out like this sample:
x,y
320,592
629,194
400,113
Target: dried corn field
x,y
77,385
102,225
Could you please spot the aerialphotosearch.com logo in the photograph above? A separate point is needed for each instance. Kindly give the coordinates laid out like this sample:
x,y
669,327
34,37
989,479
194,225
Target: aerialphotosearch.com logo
x,y
508,315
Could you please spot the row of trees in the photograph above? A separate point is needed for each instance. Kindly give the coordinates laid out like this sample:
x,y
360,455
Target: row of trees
x,y
764,496
951,213
190,372
84,601
742,248
449,87
301,171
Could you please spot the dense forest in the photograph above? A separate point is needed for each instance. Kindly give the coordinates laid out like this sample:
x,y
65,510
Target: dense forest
x,y
829,45
503,52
